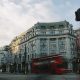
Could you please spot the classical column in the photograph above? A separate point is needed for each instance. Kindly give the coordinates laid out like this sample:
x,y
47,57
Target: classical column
x,y
57,46
68,53
48,47
38,47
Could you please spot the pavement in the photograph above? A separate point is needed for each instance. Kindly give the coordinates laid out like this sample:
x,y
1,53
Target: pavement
x,y
8,76
54,77
70,76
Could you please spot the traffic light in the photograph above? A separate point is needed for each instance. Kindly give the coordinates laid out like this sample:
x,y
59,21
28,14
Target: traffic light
x,y
77,14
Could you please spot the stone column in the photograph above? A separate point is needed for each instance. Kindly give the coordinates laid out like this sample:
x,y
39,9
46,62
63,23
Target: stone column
x,y
37,47
48,47
57,46
68,53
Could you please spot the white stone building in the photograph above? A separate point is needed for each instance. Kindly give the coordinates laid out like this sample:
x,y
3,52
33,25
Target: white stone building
x,y
1,55
5,58
45,39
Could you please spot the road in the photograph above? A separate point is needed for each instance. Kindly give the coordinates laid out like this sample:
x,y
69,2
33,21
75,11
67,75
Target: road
x,y
39,77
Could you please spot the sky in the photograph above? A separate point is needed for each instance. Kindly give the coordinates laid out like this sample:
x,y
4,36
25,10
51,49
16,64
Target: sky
x,y
17,16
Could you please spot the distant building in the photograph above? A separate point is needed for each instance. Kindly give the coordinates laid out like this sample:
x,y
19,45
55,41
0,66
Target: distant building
x,y
1,55
45,39
5,57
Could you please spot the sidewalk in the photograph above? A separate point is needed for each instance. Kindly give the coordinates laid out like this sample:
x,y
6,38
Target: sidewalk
x,y
71,73
12,73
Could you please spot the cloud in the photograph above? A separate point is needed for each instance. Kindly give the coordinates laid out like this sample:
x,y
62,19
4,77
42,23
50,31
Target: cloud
x,y
16,16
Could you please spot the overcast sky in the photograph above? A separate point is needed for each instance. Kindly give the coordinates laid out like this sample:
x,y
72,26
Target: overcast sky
x,y
16,16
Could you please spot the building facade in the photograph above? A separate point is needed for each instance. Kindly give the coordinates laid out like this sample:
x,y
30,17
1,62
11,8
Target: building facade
x,y
77,33
5,58
1,56
45,39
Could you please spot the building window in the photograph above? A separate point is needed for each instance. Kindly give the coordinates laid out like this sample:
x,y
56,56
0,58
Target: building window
x,y
43,39
32,46
43,54
52,32
43,45
53,45
28,57
43,32
53,48
53,40
52,27
32,55
61,31
62,45
35,55
43,27
61,26
63,53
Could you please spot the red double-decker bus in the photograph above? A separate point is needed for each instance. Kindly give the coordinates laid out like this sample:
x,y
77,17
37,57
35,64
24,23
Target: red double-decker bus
x,y
55,64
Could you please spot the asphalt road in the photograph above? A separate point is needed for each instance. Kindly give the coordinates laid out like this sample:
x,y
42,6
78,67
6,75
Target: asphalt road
x,y
39,77
54,77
